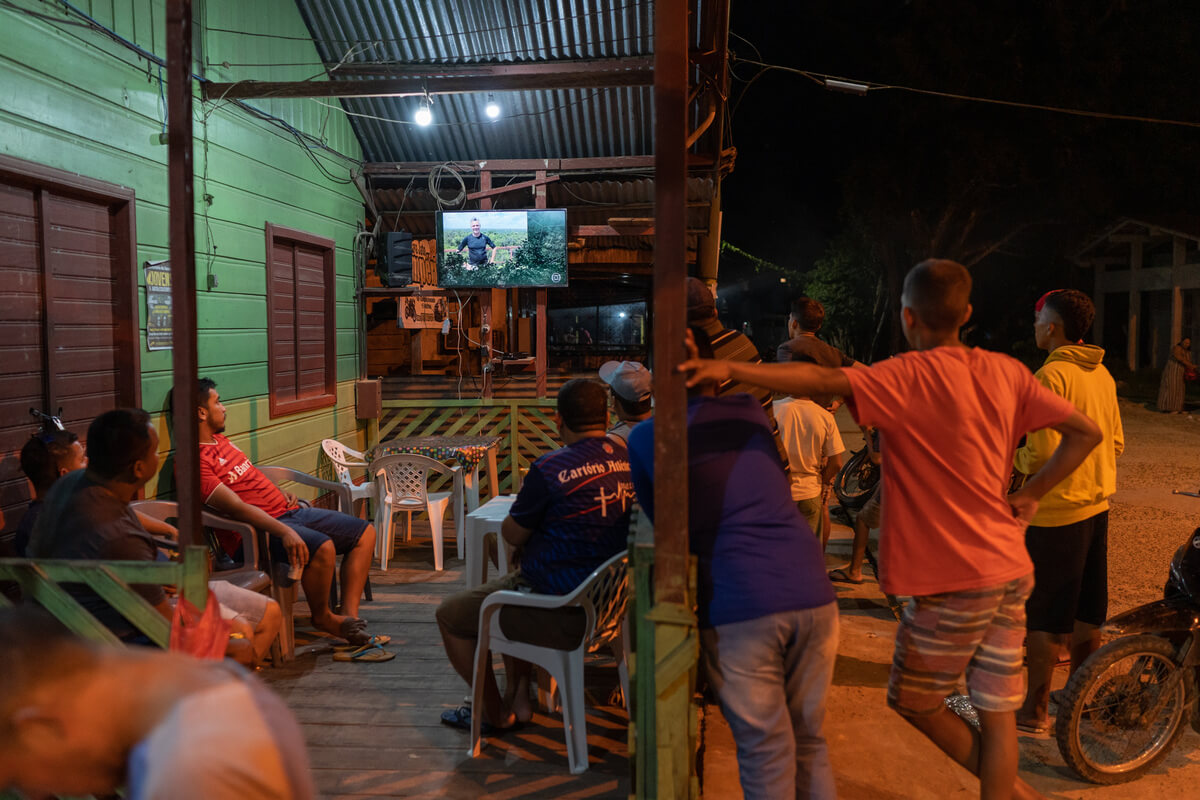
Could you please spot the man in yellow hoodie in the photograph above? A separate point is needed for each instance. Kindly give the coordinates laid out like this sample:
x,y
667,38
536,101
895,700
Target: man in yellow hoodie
x,y
1068,537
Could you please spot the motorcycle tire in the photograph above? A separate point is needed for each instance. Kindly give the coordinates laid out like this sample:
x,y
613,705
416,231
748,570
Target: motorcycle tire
x,y
1115,723
856,480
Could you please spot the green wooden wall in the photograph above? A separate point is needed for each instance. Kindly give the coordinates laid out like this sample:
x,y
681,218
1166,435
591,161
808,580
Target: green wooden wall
x,y
74,100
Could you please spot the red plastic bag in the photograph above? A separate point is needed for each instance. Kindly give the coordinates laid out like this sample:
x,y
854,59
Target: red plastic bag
x,y
200,635
1190,375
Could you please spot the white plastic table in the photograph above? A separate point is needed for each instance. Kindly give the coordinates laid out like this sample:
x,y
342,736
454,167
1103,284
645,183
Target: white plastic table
x,y
483,521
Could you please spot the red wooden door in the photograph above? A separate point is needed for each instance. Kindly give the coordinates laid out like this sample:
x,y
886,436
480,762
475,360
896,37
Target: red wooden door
x,y
68,322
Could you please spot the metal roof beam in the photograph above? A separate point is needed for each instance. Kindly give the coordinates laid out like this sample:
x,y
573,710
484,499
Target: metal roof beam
x,y
434,79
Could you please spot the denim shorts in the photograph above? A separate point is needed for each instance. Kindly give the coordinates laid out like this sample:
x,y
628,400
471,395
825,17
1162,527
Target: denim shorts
x,y
317,526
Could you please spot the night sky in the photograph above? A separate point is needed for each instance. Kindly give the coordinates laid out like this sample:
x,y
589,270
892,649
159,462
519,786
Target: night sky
x,y
914,176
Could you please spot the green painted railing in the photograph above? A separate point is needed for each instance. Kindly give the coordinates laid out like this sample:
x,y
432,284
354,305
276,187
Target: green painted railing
x,y
41,580
525,427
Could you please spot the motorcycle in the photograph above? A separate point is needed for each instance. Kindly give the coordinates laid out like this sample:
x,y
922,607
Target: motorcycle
x,y
1125,707
856,480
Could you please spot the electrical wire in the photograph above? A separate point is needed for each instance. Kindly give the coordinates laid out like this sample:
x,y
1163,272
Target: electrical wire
x,y
871,86
435,178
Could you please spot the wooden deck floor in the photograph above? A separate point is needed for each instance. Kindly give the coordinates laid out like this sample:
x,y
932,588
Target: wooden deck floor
x,y
373,729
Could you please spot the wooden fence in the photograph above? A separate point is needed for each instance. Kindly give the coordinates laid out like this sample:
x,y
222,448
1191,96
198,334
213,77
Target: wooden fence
x,y
525,427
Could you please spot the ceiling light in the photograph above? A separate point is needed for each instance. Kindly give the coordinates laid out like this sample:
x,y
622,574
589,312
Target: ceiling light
x,y
424,115
493,108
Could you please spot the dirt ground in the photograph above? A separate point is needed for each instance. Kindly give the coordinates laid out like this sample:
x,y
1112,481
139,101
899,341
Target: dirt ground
x,y
877,755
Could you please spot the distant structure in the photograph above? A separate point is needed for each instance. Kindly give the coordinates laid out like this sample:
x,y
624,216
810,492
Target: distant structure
x,y
1146,287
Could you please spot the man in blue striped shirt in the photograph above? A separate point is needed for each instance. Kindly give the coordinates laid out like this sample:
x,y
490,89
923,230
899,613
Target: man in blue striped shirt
x,y
571,516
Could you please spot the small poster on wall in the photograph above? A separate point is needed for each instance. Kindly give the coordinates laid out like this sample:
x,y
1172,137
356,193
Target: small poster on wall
x,y
158,305
421,311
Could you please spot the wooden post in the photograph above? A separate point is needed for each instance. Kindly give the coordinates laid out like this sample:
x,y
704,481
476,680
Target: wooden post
x,y
183,267
665,755
1178,255
539,352
1135,302
486,317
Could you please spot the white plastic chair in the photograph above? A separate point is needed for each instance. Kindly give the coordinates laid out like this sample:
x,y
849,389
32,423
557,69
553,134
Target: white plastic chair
x,y
344,459
402,484
603,597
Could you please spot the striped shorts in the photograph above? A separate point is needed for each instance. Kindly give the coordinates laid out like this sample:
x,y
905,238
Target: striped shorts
x,y
978,632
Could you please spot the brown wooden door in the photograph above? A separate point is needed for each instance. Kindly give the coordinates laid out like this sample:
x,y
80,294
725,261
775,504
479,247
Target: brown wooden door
x,y
68,322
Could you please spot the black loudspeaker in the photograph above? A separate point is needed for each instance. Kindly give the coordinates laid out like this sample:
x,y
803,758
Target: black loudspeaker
x,y
393,264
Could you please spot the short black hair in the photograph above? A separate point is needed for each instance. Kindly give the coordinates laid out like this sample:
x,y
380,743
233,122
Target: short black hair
x,y
1076,311
35,649
938,291
704,348
808,313
204,387
116,439
42,456
634,408
583,405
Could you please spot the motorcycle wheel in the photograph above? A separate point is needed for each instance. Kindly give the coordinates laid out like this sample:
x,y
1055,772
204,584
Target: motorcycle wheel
x,y
1123,710
856,480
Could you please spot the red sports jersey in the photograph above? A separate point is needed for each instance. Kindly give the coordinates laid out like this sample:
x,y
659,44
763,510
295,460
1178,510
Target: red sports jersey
x,y
221,462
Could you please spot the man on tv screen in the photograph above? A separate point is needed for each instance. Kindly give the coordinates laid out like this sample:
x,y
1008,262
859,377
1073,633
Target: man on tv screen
x,y
477,245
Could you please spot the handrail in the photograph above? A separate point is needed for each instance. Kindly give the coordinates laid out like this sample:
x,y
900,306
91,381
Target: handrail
x,y
41,579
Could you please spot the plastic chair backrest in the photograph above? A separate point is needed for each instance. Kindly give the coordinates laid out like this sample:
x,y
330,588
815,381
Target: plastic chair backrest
x,y
407,475
607,591
342,458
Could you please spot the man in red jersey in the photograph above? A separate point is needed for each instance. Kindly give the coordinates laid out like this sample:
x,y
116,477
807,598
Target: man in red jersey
x,y
308,537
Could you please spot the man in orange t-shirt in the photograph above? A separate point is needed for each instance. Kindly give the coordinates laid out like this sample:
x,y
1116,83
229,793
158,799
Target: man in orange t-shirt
x,y
949,418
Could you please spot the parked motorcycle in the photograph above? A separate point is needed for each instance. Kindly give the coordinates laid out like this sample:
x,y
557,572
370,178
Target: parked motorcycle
x,y
856,480
1125,707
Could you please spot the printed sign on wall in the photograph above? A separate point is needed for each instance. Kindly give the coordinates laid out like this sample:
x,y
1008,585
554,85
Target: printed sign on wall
x,y
421,311
158,305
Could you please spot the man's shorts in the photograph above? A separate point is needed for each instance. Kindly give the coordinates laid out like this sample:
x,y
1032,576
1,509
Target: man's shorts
x,y
869,513
813,511
978,632
1070,565
239,603
560,628
317,526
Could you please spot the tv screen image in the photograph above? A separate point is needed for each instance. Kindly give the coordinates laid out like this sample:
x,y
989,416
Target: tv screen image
x,y
490,249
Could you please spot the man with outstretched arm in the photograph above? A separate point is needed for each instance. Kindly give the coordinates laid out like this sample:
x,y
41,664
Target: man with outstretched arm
x,y
949,418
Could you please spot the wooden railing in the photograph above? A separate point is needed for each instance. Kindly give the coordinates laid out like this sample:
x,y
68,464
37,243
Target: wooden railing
x,y
40,581
525,427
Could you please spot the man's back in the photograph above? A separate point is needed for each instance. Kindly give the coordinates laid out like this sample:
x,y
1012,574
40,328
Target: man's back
x,y
577,502
810,435
949,419
83,520
1076,373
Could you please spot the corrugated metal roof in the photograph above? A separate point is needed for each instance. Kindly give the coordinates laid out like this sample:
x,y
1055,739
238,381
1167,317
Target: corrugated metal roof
x,y
572,123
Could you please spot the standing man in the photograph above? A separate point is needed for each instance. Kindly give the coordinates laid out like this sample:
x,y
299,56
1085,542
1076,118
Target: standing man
x,y
631,395
308,537
949,416
768,616
1068,537
476,245
730,345
804,321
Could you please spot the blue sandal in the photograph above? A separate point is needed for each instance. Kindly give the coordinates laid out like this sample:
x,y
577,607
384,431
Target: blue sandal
x,y
461,718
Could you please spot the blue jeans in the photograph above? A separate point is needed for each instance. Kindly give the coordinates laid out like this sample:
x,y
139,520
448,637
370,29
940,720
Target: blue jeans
x,y
771,676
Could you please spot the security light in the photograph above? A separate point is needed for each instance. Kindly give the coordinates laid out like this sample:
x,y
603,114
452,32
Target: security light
x,y
424,115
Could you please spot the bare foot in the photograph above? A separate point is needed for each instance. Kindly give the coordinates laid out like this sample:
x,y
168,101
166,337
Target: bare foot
x,y
351,629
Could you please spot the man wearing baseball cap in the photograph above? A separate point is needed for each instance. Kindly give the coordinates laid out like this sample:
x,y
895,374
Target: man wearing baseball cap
x,y
631,395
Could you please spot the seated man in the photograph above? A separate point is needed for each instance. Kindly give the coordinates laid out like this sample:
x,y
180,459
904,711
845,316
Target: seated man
x,y
571,516
45,458
307,537
87,516
631,395
80,719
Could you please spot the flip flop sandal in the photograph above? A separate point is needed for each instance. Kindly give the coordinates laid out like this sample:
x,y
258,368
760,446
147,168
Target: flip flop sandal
x,y
461,718
378,639
841,576
368,652
1034,728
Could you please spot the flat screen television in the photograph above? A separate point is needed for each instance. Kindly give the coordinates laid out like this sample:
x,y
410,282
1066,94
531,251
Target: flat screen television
x,y
502,249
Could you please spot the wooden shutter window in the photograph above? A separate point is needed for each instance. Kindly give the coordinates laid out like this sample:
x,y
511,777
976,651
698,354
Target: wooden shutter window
x,y
302,356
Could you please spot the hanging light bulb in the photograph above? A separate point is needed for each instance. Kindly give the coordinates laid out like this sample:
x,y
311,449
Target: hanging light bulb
x,y
424,115
493,108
